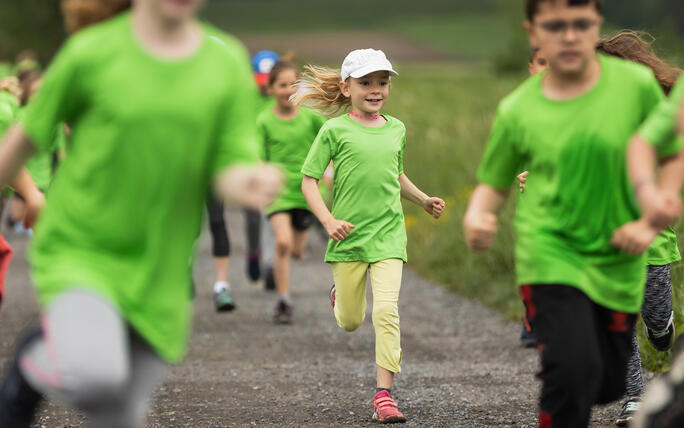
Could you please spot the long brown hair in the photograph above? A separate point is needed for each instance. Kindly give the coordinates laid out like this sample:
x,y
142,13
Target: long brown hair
x,y
630,45
79,14
319,89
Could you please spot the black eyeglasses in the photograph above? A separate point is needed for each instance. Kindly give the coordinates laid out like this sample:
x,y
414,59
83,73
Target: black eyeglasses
x,y
558,26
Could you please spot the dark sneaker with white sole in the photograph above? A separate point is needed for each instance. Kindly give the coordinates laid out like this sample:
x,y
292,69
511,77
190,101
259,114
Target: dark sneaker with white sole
x,y
629,408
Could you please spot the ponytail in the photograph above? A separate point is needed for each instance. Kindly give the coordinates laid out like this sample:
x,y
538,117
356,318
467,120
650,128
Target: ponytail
x,y
319,89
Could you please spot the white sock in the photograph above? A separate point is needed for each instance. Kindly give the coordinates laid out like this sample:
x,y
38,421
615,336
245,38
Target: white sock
x,y
221,285
285,298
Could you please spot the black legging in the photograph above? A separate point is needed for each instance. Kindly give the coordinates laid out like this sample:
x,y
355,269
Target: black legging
x,y
217,226
219,232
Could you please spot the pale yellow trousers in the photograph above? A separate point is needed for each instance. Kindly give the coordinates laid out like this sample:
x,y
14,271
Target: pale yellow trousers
x,y
350,304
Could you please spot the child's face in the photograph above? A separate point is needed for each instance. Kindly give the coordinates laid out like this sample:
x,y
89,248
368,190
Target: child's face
x,y
566,34
538,63
368,93
283,87
176,10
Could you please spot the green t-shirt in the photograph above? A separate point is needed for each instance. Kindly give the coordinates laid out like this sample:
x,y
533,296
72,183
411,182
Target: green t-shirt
x,y
5,69
660,128
286,144
366,190
9,106
578,188
148,135
39,166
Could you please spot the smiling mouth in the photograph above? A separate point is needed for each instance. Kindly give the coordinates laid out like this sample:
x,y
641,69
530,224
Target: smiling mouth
x,y
373,100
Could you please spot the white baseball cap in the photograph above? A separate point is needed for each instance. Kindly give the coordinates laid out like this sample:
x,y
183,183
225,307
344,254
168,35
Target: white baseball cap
x,y
365,61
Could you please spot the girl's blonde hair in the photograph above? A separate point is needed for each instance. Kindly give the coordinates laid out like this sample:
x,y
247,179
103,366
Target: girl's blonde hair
x,y
319,89
11,84
79,14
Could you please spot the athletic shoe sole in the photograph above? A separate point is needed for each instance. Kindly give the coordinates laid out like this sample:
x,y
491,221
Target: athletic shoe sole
x,y
389,420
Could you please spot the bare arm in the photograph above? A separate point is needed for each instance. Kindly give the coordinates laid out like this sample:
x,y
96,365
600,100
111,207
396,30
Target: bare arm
x,y
337,229
253,187
433,206
15,149
480,223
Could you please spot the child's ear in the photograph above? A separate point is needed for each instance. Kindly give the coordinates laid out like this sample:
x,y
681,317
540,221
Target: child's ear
x,y
344,88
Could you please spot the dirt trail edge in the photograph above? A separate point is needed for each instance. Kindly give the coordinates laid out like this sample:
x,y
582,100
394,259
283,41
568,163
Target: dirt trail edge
x,y
462,364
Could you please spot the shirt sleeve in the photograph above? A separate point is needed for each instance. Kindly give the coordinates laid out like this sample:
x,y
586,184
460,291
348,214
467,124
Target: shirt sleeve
x,y
7,116
262,140
660,128
319,156
238,138
60,98
501,160
400,161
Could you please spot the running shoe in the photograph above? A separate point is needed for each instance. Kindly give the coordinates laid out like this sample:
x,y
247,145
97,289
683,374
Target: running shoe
x,y
18,400
663,404
527,337
332,295
386,411
253,268
282,313
223,301
662,340
269,281
629,408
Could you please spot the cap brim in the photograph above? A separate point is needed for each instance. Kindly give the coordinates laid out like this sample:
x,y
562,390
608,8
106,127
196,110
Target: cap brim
x,y
372,68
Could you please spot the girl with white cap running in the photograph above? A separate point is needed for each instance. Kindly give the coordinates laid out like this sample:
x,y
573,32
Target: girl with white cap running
x,y
366,226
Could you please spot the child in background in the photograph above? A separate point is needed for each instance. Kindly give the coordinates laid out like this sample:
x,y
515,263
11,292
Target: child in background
x,y
366,226
149,137
287,133
570,126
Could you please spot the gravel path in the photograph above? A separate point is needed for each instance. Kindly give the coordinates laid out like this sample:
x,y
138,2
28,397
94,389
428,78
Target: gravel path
x,y
463,366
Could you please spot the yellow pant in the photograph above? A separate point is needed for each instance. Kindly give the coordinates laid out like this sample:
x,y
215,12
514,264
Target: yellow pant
x,y
350,304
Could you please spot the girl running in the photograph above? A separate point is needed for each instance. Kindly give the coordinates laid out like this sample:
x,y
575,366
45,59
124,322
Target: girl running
x,y
656,310
148,138
366,226
287,132
581,293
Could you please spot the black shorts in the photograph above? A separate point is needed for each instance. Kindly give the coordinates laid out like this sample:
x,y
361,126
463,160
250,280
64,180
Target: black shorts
x,y
301,219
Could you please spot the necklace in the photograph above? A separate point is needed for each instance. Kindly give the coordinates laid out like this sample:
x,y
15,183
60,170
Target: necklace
x,y
365,116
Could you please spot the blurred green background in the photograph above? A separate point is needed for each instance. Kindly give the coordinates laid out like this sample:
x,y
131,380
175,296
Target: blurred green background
x,y
456,59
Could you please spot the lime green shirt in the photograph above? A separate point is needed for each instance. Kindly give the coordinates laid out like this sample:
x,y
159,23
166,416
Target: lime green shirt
x,y
579,191
660,128
9,106
39,166
286,144
148,135
366,190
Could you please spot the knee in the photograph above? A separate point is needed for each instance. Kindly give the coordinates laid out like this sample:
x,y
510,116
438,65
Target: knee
x,y
350,322
297,253
385,314
283,247
578,374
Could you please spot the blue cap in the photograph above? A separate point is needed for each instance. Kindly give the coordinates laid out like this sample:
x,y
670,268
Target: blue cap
x,y
263,61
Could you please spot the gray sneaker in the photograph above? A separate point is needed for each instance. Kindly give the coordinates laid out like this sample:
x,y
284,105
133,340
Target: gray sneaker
x,y
223,301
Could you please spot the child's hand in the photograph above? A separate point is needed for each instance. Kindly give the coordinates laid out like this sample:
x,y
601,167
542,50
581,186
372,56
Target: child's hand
x,y
338,229
634,237
522,178
480,230
660,208
34,204
434,206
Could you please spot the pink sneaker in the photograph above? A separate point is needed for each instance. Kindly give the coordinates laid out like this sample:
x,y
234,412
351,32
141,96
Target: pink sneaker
x,y
386,411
